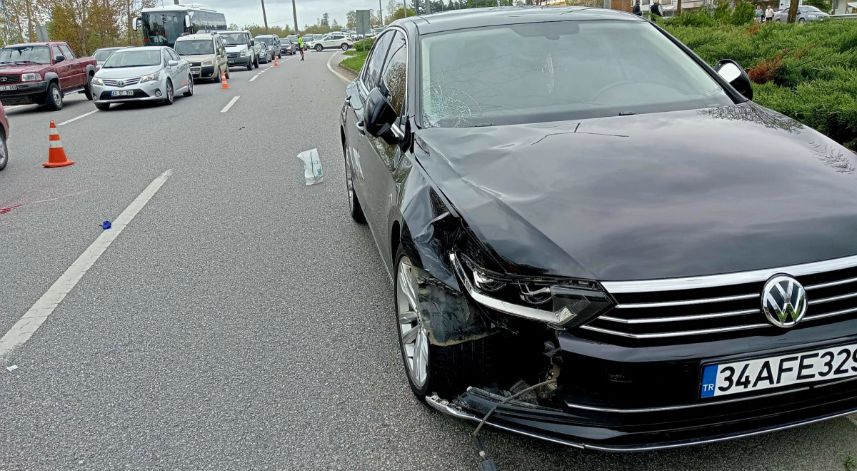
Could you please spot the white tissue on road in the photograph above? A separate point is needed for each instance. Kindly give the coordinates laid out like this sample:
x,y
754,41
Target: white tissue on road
x,y
312,167
12,368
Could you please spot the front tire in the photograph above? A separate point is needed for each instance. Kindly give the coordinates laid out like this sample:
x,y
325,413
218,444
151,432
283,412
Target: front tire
x,y
250,64
319,48
354,207
344,46
88,90
54,99
189,91
4,152
447,371
171,94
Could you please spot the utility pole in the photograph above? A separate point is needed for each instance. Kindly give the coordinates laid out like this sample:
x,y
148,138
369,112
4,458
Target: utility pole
x,y
265,17
295,14
380,12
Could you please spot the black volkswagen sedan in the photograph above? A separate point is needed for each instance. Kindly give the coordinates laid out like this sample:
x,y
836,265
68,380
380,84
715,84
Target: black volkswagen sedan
x,y
597,239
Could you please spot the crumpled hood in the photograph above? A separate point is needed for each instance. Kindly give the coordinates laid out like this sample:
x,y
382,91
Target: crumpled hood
x,y
126,72
664,195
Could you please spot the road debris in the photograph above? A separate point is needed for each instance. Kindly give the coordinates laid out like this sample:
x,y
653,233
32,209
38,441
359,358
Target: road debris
x,y
106,225
12,368
313,173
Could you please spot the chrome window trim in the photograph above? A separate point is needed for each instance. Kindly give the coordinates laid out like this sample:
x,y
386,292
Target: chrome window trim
x,y
710,281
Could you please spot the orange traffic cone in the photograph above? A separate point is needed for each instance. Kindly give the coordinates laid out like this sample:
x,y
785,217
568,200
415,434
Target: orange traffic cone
x,y
276,62
56,154
224,82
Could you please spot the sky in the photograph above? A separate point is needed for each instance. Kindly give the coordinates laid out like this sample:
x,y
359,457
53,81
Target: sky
x,y
246,12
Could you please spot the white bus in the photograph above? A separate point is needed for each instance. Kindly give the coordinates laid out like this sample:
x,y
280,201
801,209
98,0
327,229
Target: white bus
x,y
162,26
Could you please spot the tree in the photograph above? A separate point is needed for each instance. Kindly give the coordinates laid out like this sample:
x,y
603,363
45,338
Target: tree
x,y
335,25
325,20
351,19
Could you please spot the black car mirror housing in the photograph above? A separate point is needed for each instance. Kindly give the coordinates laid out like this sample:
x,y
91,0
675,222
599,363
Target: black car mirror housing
x,y
733,73
379,117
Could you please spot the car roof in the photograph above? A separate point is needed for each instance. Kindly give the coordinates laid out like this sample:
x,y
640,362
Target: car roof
x,y
497,16
265,36
233,32
145,48
196,36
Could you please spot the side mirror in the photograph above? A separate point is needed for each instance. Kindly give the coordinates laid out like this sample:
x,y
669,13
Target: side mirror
x,y
187,21
173,63
136,23
379,118
733,73
252,43
58,59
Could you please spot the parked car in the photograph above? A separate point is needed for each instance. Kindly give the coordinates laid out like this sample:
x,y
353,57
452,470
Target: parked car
x,y
266,54
287,47
153,73
804,13
333,41
598,262
272,41
42,74
241,49
4,136
102,54
206,53
310,40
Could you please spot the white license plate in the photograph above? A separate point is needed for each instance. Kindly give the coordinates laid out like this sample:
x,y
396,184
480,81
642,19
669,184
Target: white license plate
x,y
122,93
195,70
7,88
765,373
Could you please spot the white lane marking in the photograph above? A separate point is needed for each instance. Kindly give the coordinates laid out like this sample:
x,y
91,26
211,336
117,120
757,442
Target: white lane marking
x,y
254,77
229,105
79,117
42,309
330,68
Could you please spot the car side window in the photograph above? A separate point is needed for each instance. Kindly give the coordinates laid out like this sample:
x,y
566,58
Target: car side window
x,y
57,52
66,52
395,73
372,70
173,55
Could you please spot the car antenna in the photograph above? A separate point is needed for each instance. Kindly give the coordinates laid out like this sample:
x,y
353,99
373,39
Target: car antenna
x,y
487,464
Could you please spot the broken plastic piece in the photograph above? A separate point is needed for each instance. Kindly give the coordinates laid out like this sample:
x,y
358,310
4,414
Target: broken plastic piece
x,y
312,167
12,368
106,225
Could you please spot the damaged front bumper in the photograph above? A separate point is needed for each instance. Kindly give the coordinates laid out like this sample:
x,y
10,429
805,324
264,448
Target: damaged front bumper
x,y
648,431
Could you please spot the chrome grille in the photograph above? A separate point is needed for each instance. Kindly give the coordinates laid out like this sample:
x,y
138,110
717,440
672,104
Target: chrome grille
x,y
121,83
703,307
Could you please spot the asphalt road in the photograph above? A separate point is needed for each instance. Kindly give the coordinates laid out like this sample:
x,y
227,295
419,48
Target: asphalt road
x,y
241,320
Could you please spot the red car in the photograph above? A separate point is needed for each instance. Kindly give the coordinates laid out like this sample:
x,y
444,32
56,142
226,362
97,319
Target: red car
x,y
4,134
42,74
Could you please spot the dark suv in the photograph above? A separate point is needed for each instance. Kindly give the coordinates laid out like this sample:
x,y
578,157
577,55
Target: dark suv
x,y
631,255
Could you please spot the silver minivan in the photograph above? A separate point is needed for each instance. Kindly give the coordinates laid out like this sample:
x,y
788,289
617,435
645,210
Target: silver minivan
x,y
206,53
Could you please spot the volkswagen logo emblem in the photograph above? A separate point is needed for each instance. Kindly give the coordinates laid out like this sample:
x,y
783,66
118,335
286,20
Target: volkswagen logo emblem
x,y
783,301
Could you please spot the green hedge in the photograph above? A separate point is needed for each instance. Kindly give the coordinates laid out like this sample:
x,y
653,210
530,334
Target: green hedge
x,y
808,72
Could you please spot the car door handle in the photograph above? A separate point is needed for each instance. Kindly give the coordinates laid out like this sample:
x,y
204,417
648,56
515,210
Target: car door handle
x,y
360,127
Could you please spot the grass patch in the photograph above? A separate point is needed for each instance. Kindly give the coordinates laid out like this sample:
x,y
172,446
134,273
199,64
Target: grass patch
x,y
850,464
354,61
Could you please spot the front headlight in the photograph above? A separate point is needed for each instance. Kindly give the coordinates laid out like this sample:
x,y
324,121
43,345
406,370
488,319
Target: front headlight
x,y
150,77
244,53
31,77
97,81
208,62
557,302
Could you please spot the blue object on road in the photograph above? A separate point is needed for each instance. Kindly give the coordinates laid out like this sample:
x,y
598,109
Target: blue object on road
x,y
106,225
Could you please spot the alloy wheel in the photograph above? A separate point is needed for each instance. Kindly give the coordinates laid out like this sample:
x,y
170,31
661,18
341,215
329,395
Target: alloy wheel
x,y
413,336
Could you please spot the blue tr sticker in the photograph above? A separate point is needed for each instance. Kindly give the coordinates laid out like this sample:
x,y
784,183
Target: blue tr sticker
x,y
709,381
